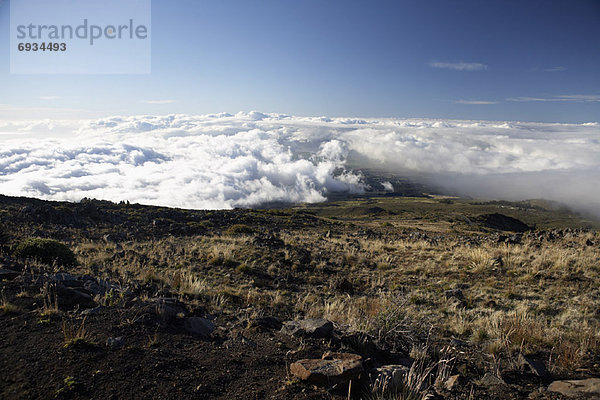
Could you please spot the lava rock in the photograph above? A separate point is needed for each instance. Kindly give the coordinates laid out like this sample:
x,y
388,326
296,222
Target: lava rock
x,y
199,326
315,328
69,298
333,368
576,388
536,366
116,342
8,274
490,379
502,222
266,323
92,311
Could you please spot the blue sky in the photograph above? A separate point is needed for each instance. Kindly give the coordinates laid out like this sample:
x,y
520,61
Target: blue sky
x,y
498,60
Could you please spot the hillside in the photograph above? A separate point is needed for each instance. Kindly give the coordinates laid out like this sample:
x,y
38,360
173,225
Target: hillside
x,y
405,297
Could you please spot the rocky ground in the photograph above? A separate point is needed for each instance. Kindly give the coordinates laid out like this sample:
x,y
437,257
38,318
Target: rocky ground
x,y
376,301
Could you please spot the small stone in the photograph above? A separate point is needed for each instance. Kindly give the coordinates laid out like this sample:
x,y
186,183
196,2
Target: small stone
x,y
491,380
316,328
337,368
576,388
199,326
91,311
116,342
536,366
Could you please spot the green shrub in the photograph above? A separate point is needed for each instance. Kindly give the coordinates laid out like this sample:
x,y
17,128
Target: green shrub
x,y
244,268
446,201
239,229
48,251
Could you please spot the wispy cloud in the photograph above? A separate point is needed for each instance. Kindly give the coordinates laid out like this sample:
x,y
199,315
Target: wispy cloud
x,y
49,97
460,66
555,69
166,101
581,98
475,102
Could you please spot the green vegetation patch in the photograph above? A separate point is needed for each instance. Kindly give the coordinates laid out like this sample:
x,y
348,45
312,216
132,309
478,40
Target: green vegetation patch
x,y
48,251
239,229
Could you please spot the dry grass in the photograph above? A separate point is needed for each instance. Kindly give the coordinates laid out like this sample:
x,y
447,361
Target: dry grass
x,y
537,295
6,306
74,334
50,300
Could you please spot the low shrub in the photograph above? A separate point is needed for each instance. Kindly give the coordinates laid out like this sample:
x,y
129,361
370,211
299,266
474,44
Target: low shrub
x,y
48,251
239,229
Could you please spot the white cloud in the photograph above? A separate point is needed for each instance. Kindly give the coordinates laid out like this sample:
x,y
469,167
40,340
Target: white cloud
x,y
166,101
177,160
247,159
579,97
582,98
460,66
475,102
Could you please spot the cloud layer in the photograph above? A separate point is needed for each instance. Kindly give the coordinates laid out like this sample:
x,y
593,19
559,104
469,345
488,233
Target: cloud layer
x,y
194,162
249,159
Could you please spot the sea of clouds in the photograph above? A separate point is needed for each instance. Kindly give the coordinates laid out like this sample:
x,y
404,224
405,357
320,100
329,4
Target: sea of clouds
x,y
252,159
